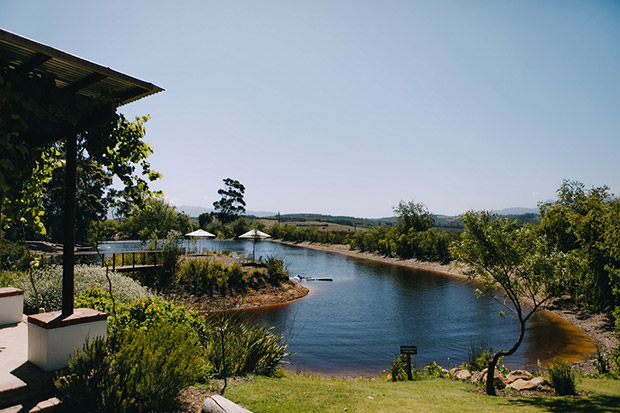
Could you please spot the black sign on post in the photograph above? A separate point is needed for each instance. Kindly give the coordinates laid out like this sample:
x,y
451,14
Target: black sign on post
x,y
408,351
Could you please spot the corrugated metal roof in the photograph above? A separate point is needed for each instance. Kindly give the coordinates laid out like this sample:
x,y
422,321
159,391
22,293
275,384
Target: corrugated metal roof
x,y
69,71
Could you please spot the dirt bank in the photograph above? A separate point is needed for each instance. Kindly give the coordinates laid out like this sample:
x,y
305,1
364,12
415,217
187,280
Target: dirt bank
x,y
285,293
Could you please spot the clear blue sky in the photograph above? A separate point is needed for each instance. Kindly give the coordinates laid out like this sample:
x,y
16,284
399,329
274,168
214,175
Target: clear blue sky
x,y
347,107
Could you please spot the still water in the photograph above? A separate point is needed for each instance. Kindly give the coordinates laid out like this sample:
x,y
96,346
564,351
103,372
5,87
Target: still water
x,y
355,324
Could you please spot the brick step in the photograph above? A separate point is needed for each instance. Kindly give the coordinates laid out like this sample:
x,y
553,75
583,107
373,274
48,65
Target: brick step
x,y
27,382
48,405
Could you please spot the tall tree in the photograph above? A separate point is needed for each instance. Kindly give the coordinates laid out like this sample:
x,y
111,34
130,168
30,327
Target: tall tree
x,y
515,267
415,216
232,204
586,225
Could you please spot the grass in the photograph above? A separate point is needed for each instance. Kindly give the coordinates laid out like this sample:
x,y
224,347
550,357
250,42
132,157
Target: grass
x,y
307,393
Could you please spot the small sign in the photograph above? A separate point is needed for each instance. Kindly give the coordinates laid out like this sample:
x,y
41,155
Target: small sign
x,y
408,349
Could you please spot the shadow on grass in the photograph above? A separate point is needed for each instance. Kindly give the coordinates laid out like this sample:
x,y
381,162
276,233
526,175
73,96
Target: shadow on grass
x,y
590,404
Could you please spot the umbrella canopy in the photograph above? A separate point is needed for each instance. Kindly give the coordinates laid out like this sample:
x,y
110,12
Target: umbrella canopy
x,y
200,233
255,234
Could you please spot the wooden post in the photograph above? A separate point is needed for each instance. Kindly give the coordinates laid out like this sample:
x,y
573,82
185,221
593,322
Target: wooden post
x,y
133,260
409,375
68,253
122,259
114,262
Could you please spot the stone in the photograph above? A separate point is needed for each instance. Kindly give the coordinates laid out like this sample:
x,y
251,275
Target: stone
x,y
521,384
539,381
476,377
498,378
220,404
453,371
463,375
518,374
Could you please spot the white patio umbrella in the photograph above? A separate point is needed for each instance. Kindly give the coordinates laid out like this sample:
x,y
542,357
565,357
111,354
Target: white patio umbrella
x,y
199,233
255,235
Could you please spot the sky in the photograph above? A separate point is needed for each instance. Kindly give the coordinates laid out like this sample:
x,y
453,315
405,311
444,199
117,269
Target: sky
x,y
348,107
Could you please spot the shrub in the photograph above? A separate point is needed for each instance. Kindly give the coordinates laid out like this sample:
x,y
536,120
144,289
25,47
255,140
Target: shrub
x,y
398,370
562,377
142,371
248,348
48,281
14,256
478,356
7,279
276,270
434,370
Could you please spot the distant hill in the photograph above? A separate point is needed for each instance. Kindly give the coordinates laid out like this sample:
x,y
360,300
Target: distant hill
x,y
194,211
516,211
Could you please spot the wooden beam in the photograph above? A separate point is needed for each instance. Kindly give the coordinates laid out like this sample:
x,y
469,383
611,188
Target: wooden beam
x,y
85,82
34,62
68,251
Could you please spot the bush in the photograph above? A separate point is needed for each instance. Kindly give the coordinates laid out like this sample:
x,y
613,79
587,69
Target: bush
x,y
478,356
248,349
140,371
276,270
562,377
48,282
14,256
398,370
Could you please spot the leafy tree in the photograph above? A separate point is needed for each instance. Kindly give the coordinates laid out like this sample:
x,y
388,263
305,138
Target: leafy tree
x,y
205,219
231,205
585,224
91,201
515,267
411,215
154,219
240,226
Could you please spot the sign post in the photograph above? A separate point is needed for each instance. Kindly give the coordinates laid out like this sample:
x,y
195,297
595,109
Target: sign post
x,y
408,351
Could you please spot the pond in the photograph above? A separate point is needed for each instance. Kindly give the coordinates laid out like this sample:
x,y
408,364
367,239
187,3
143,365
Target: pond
x,y
356,324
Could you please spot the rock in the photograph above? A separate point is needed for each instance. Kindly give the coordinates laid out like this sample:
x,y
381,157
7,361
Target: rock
x,y
476,376
220,404
498,378
463,375
539,381
453,371
521,384
518,374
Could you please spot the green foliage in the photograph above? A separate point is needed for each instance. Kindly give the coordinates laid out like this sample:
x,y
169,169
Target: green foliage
x,y
248,348
139,371
7,278
585,225
232,204
205,219
434,370
14,257
92,204
410,215
276,270
48,282
561,377
398,368
478,356
239,226
154,219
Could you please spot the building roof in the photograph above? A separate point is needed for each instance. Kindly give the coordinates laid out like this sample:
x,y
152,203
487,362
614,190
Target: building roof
x,y
71,73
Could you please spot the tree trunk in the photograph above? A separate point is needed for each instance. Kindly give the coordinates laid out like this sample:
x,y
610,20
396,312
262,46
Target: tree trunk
x,y
490,386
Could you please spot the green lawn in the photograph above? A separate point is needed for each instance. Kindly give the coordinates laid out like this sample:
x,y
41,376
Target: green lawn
x,y
303,393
